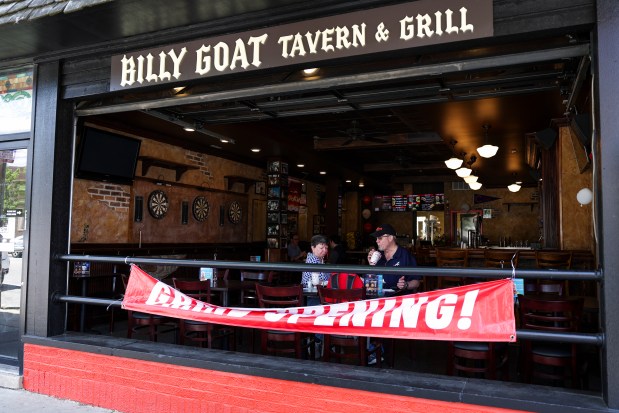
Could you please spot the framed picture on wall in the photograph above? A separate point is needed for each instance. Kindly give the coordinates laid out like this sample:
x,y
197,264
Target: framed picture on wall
x,y
274,166
261,187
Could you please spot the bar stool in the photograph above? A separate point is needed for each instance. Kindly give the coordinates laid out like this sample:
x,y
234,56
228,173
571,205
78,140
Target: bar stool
x,y
477,359
550,361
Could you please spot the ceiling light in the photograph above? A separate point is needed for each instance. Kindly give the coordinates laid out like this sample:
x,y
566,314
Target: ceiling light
x,y
323,172
487,151
189,129
348,181
300,165
514,187
224,140
518,182
361,184
470,179
475,185
310,71
463,172
256,150
453,163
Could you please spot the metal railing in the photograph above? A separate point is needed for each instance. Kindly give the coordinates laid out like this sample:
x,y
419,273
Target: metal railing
x,y
597,339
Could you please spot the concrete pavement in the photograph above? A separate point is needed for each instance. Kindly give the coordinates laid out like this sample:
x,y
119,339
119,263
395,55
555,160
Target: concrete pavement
x,y
22,401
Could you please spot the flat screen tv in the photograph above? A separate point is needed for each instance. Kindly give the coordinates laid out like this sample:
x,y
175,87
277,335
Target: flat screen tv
x,y
107,156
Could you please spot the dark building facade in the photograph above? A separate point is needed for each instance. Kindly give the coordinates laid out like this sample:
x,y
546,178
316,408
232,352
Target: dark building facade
x,y
94,60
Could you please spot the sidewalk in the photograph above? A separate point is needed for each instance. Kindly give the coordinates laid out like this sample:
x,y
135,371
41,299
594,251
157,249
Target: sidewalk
x,y
23,401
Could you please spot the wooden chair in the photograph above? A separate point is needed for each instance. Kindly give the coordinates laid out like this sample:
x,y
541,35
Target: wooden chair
x,y
560,260
556,362
557,260
137,321
451,257
500,258
423,257
198,331
217,296
274,341
248,294
343,348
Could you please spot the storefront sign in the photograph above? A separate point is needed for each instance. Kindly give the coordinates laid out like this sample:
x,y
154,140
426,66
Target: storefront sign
x,y
476,312
401,26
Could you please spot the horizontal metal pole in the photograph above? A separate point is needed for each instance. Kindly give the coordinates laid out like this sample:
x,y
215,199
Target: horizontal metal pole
x,y
578,338
77,299
469,272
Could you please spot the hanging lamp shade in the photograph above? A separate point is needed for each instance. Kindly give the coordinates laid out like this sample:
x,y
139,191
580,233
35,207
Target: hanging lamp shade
x,y
514,187
463,172
475,185
487,150
454,163
470,179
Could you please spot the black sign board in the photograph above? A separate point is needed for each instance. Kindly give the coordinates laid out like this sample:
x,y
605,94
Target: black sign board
x,y
14,213
381,29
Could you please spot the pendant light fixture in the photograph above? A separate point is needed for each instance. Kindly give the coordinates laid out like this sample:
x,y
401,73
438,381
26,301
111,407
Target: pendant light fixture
x,y
470,179
475,185
487,151
514,187
463,172
453,162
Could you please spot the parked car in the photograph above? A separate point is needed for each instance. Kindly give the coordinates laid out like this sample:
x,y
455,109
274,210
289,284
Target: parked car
x,y
18,243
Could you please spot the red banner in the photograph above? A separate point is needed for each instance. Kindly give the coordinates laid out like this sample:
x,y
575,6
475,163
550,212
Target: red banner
x,y
476,312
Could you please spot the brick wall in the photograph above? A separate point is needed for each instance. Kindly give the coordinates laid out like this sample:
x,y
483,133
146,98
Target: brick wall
x,y
114,196
136,386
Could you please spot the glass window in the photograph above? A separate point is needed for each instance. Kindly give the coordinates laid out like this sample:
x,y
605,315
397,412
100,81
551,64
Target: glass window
x,y
15,101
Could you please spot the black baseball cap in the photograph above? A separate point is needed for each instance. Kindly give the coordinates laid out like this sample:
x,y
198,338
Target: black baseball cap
x,y
384,229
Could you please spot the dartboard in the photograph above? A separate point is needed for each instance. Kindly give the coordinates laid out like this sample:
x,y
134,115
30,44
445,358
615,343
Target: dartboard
x,y
158,204
235,212
200,208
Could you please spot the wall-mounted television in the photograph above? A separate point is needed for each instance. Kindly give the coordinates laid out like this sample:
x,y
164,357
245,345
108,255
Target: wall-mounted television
x,y
107,156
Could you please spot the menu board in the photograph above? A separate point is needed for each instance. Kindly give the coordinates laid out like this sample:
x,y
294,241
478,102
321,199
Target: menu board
x,y
378,203
386,205
412,202
426,202
399,203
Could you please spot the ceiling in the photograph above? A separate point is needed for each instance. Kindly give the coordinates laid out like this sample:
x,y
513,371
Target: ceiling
x,y
386,122
416,102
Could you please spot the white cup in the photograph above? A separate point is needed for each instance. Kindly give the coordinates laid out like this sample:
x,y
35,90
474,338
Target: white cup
x,y
315,278
375,257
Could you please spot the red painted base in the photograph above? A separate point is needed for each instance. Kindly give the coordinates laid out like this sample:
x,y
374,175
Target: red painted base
x,y
136,386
